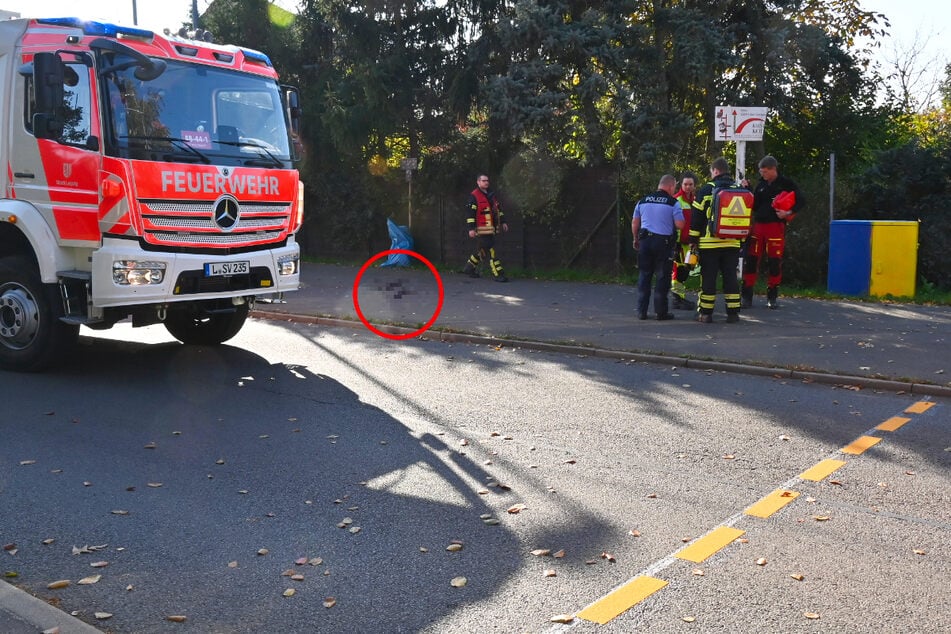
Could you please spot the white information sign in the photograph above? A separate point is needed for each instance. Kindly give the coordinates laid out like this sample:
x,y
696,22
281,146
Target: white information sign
x,y
739,123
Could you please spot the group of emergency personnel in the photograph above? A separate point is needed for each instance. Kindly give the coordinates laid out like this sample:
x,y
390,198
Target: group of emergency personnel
x,y
672,236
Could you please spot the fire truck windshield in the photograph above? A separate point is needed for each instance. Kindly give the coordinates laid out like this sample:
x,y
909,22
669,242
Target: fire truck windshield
x,y
195,113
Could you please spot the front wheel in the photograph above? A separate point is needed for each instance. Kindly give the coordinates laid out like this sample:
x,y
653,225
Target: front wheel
x,y
206,328
31,333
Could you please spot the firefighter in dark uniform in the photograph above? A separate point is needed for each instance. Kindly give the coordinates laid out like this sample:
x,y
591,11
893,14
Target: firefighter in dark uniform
x,y
657,221
718,256
484,219
768,237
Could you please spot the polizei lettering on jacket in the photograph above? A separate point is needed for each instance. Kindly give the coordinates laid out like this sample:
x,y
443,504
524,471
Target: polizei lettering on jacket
x,y
209,183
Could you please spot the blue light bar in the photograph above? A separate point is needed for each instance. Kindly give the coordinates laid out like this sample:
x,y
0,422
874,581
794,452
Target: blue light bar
x,y
257,56
91,27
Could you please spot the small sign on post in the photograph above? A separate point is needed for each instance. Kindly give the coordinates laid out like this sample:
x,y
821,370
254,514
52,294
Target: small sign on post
x,y
739,124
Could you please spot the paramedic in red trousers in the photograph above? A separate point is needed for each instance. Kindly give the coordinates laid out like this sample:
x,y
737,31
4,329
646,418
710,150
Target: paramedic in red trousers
x,y
485,219
768,237
657,221
718,256
685,196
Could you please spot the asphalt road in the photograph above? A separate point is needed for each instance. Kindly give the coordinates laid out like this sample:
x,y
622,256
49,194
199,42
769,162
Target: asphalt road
x,y
210,478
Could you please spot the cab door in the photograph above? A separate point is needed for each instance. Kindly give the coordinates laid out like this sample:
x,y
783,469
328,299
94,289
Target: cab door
x,y
59,175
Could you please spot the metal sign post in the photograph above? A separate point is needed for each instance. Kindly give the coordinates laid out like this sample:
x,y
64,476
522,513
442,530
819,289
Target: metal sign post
x,y
408,165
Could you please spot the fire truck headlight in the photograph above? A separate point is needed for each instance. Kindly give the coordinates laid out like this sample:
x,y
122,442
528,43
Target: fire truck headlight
x,y
135,273
288,265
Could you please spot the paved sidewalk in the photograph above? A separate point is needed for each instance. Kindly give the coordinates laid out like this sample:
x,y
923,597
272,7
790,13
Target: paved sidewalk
x,y
900,346
22,613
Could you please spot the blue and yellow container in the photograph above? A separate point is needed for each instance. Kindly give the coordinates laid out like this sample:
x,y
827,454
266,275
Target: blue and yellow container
x,y
873,257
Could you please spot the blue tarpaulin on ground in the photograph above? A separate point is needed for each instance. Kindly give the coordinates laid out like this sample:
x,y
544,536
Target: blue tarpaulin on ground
x,y
399,239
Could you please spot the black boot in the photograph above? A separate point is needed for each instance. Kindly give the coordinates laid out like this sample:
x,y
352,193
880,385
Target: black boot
x,y
746,297
470,270
682,303
772,297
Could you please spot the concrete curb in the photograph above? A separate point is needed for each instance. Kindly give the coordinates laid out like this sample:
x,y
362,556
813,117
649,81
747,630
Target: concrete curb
x,y
657,358
35,615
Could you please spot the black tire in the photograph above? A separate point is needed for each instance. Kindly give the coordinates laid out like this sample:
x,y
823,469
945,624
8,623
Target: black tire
x,y
201,328
32,337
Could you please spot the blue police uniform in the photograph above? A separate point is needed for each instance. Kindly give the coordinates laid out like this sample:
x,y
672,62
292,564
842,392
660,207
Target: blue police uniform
x,y
657,237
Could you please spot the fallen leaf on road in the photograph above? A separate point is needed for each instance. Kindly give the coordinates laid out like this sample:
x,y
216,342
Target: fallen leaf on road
x,y
289,592
99,564
559,554
821,518
57,585
329,602
609,557
263,551
541,552
120,512
458,582
176,618
697,572
761,561
89,549
85,581
811,615
919,552
517,508
232,564
102,616
689,619
454,548
151,445
563,618
798,577
550,573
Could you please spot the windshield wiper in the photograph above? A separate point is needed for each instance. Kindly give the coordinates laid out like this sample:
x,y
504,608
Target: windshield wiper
x,y
264,153
180,143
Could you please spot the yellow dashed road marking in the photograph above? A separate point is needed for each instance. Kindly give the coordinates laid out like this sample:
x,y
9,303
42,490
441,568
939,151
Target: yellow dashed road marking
x,y
920,407
644,585
893,423
771,503
860,444
713,542
624,598
821,470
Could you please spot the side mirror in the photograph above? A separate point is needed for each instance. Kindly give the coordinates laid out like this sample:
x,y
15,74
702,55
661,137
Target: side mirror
x,y
49,74
294,115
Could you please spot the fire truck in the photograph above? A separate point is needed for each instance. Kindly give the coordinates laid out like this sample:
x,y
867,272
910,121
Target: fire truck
x,y
146,177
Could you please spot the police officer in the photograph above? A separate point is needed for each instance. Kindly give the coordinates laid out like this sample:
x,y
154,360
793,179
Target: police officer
x,y
657,219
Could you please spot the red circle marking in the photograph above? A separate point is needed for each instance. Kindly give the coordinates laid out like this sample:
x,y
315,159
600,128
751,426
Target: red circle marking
x,y
356,287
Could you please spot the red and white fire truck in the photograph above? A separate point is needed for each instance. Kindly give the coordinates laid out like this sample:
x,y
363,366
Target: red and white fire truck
x,y
144,176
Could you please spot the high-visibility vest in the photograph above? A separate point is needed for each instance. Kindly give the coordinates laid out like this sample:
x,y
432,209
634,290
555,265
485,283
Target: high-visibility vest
x,y
487,213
